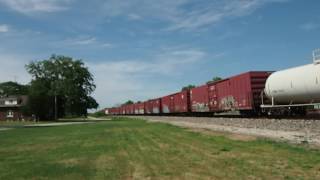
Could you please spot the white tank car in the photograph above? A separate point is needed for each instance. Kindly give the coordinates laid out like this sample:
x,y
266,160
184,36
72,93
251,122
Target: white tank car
x,y
299,85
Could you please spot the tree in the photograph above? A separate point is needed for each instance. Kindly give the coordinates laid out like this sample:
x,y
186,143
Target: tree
x,y
12,88
64,80
129,102
190,86
97,114
40,103
215,79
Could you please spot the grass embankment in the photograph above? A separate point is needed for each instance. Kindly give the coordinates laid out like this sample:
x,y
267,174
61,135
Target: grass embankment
x,y
127,149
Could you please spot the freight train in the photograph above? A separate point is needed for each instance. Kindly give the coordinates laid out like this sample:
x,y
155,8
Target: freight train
x,y
290,91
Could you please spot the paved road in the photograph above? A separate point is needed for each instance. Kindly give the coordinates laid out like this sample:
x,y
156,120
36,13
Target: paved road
x,y
4,129
98,119
57,124
89,120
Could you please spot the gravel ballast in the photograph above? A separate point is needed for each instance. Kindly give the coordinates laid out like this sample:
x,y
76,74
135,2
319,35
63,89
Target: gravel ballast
x,y
292,130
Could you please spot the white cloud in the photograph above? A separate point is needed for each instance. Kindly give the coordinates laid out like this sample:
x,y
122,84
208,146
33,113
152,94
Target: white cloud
x,y
164,63
178,14
12,68
216,12
118,81
4,28
107,45
83,41
184,14
33,6
309,26
134,17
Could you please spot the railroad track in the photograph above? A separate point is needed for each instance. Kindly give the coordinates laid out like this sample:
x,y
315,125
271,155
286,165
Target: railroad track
x,y
231,116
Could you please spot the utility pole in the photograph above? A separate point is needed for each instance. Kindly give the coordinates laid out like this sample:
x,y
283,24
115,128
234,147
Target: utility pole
x,y
55,107
55,101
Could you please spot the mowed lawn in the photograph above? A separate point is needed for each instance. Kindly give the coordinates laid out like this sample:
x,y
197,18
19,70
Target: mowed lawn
x,y
134,149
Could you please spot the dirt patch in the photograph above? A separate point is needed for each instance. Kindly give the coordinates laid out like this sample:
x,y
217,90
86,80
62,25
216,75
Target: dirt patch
x,y
138,172
70,162
238,137
104,164
241,137
104,161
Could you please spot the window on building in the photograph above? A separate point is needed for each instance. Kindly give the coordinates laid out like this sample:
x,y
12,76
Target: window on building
x,y
10,114
11,102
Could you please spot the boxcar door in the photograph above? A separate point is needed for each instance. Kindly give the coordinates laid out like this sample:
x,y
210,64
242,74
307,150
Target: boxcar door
x,y
171,104
213,98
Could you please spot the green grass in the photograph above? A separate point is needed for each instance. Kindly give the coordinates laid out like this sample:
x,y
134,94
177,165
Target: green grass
x,y
135,149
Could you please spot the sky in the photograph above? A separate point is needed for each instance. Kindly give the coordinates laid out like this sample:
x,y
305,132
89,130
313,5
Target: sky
x,y
141,49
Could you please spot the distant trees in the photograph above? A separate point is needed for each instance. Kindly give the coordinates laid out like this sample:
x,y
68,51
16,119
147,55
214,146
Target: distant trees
x,y
12,88
129,102
215,79
190,86
97,114
64,80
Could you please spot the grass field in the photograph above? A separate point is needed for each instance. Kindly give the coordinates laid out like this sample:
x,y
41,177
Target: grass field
x,y
135,149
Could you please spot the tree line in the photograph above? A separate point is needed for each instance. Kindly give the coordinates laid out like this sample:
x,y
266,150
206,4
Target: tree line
x,y
60,86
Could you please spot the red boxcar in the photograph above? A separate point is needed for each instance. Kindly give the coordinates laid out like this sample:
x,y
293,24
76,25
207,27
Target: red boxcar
x,y
241,92
121,110
153,106
131,109
199,99
181,102
147,108
118,109
125,109
107,111
139,108
112,111
176,103
167,104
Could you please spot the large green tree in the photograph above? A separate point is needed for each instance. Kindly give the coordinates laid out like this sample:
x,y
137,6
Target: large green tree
x,y
65,80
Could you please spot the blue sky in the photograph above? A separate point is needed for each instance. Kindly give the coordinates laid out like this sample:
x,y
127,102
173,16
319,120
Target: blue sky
x,y
139,49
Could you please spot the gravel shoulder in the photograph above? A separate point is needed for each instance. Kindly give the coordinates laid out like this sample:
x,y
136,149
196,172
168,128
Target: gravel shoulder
x,y
293,131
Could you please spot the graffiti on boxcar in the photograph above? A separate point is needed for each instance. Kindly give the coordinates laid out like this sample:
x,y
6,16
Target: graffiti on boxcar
x,y
228,103
165,109
200,107
155,110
